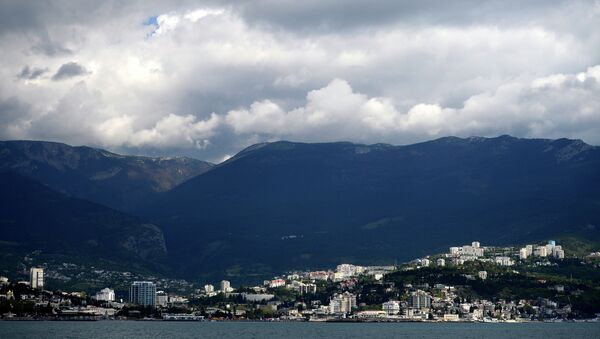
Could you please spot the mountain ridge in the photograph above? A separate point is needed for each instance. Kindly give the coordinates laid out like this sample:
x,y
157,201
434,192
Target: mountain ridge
x,y
114,180
340,194
34,217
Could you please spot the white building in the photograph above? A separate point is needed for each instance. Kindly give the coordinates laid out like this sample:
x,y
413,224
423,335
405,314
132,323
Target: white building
x,y
142,293
482,275
208,288
425,262
162,299
504,261
225,286
105,294
391,307
474,250
441,262
523,253
529,249
276,283
36,278
342,303
344,271
541,251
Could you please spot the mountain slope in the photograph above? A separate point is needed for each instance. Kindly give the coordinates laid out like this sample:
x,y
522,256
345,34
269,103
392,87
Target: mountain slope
x,y
118,181
291,205
34,217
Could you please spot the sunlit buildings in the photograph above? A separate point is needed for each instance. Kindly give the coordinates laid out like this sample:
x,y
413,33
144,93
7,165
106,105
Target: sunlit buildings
x,y
36,278
105,294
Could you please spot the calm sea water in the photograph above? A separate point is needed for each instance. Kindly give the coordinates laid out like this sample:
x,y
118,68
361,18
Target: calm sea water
x,y
140,329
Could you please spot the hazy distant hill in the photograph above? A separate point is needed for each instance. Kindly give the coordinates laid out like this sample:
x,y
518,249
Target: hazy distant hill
x,y
118,181
34,217
293,205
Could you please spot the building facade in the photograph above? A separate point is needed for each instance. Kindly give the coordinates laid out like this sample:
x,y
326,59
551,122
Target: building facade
x,y
105,294
143,293
36,278
225,286
391,307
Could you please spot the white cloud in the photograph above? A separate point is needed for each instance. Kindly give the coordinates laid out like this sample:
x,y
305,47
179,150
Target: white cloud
x,y
175,130
551,106
271,71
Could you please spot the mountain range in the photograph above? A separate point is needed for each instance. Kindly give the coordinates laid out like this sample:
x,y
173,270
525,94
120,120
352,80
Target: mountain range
x,y
33,217
120,181
285,205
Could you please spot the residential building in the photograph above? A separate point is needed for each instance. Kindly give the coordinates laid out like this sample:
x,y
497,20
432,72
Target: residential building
x,y
225,286
36,278
342,303
441,262
541,251
482,275
391,307
276,283
208,288
419,300
105,294
319,275
529,249
504,261
523,253
308,288
162,299
143,293
344,271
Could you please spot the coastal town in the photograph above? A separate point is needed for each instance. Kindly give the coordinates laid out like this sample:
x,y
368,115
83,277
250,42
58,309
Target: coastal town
x,y
469,283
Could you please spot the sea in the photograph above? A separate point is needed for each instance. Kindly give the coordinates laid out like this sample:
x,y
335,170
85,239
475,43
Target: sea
x,y
287,330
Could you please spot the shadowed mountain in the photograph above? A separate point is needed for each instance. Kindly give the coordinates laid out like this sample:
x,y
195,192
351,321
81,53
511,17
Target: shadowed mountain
x,y
289,205
34,217
118,181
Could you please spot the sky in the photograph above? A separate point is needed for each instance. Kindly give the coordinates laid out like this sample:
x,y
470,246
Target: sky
x,y
207,79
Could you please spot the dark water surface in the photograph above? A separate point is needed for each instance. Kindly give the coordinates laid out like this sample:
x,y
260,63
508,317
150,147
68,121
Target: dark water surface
x,y
159,329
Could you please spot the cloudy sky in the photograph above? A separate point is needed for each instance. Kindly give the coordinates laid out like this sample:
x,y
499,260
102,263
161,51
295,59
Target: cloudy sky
x,y
208,78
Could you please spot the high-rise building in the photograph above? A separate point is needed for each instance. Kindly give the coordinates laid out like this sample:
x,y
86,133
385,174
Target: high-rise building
x,y
36,278
342,303
143,293
225,286
523,253
208,288
419,300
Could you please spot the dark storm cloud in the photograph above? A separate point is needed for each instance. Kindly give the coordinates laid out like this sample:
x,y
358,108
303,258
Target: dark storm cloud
x,y
336,15
69,70
32,73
